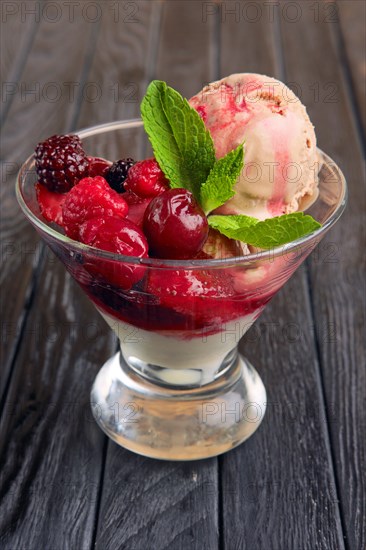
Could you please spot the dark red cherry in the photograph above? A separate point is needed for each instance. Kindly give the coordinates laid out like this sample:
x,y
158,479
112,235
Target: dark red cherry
x,y
175,225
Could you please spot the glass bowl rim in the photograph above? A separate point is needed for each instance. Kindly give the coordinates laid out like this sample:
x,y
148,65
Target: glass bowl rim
x,y
270,253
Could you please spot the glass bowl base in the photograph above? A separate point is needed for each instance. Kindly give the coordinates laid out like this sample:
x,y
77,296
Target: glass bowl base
x,y
178,423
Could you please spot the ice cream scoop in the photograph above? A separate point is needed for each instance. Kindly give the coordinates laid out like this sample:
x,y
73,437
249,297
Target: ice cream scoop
x,y
280,173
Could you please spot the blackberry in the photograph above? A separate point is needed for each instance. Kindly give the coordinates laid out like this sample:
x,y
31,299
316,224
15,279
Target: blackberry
x,y
61,162
117,174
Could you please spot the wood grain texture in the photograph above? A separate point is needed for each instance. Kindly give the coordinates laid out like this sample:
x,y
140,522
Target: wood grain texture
x,y
278,488
51,449
122,62
33,116
52,452
352,18
148,503
62,485
283,475
18,24
191,63
153,504
250,33
337,284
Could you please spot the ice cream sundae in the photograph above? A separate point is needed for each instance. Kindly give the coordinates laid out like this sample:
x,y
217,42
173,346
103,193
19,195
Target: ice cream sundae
x,y
195,200
181,251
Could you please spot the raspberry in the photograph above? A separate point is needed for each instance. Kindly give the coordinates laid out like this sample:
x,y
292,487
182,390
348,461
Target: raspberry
x,y
50,204
91,198
61,162
146,179
117,174
115,235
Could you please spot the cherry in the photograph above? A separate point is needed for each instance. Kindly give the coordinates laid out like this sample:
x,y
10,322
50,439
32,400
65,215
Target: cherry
x,y
175,225
146,179
115,235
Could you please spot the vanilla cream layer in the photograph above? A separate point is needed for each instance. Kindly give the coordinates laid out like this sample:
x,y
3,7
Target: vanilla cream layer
x,y
187,360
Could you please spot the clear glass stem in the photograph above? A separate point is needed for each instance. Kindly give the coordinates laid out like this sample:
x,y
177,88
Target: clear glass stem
x,y
171,422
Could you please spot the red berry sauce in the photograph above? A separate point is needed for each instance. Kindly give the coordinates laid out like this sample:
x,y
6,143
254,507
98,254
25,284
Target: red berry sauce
x,y
144,218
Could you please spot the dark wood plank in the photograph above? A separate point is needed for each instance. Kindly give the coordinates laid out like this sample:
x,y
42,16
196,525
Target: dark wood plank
x,y
32,117
52,452
51,448
251,34
156,504
337,285
187,47
352,18
278,488
19,23
148,503
120,69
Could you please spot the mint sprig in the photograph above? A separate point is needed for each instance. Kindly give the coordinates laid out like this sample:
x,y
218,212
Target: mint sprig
x,y
265,234
185,152
182,146
218,188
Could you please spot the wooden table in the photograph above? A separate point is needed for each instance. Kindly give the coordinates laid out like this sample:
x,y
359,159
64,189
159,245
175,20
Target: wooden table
x,y
299,482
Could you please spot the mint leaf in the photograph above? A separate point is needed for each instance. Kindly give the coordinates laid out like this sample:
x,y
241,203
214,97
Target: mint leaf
x,y
231,225
182,146
218,188
265,234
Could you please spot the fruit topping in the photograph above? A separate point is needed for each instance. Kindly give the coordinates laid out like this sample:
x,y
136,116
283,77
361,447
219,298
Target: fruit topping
x,y
61,162
175,225
136,207
170,285
146,179
50,204
114,235
185,150
206,297
98,166
117,174
91,198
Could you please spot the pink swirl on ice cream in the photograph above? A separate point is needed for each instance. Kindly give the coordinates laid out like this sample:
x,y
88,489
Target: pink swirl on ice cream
x,y
281,163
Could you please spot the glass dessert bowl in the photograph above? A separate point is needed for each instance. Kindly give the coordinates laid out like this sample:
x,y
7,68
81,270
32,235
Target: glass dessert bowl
x,y
178,389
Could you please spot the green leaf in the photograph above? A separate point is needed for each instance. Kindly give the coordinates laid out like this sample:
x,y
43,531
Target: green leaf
x,y
182,146
230,225
218,188
268,233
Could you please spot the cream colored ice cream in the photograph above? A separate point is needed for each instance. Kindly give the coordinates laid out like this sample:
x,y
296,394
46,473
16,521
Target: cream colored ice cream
x,y
280,164
185,361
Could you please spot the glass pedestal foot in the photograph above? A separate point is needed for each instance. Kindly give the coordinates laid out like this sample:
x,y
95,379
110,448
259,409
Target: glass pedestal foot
x,y
175,422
